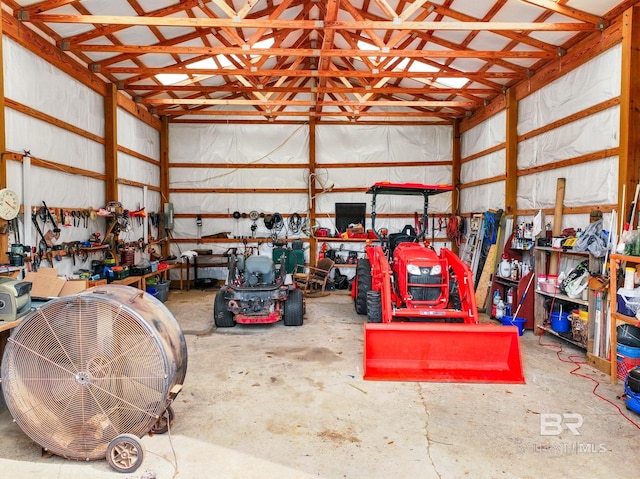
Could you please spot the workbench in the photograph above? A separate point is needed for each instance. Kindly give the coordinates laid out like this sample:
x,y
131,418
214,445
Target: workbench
x,y
204,261
141,281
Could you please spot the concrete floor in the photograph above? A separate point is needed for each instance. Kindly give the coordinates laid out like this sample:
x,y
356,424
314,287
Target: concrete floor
x,y
278,402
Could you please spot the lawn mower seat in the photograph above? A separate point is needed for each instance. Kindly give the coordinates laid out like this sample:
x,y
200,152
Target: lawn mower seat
x,y
259,269
408,234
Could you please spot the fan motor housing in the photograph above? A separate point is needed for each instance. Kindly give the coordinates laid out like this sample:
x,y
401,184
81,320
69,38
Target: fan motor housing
x,y
81,370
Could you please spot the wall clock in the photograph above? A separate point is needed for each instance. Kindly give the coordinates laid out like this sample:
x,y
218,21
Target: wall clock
x,y
9,204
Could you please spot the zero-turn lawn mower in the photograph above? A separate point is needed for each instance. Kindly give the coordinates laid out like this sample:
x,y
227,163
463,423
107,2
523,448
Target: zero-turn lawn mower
x,y
256,292
422,320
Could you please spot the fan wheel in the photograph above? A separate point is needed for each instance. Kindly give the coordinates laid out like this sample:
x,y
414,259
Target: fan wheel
x,y
164,422
125,453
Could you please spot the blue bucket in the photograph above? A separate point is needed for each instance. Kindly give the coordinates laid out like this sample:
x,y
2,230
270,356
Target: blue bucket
x,y
628,351
560,322
511,321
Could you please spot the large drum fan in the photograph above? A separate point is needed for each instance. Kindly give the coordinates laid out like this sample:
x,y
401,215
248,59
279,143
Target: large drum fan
x,y
86,376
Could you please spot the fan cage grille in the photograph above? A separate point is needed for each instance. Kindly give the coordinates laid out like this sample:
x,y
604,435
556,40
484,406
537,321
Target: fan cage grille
x,y
79,372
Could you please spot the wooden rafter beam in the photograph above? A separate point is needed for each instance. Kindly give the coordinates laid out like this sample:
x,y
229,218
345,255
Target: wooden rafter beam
x,y
251,113
224,101
305,52
103,30
234,87
273,15
46,5
386,8
226,8
512,35
567,11
412,8
297,73
304,24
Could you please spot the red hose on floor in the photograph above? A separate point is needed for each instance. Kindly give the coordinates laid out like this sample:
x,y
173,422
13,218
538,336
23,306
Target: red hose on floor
x,y
572,360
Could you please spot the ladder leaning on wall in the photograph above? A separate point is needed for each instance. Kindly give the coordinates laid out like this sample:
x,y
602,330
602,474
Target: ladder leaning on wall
x,y
473,245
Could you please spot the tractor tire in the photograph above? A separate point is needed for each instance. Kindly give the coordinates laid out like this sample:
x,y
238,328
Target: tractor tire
x,y
374,307
294,309
221,316
363,275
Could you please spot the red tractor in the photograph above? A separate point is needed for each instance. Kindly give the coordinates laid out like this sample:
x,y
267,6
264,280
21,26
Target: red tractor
x,y
422,319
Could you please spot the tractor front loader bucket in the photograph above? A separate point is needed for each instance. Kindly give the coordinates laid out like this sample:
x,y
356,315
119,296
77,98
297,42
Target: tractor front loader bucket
x,y
442,352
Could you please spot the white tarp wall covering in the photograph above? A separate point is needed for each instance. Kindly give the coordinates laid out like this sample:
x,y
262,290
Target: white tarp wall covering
x,y
375,144
592,183
31,81
141,138
379,145
253,145
248,150
488,134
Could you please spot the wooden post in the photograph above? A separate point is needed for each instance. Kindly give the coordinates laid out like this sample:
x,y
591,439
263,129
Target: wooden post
x,y
557,221
313,243
4,239
511,151
164,178
455,177
629,155
111,143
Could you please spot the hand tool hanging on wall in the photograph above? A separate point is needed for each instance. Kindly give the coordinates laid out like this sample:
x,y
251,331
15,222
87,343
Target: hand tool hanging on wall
x,y
42,244
50,217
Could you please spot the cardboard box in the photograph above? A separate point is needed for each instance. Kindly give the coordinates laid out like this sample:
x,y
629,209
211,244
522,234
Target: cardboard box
x,y
45,283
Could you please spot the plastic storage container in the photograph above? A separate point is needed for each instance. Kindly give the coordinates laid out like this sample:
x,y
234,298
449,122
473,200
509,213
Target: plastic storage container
x,y
152,290
550,284
625,364
628,301
163,290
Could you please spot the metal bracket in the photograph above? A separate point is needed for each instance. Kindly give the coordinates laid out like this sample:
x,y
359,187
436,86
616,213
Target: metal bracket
x,y
561,52
94,67
22,16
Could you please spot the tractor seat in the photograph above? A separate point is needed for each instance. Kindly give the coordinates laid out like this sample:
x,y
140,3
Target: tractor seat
x,y
407,235
260,267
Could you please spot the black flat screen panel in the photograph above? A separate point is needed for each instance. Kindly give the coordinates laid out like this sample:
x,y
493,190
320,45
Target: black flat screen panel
x,y
350,213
